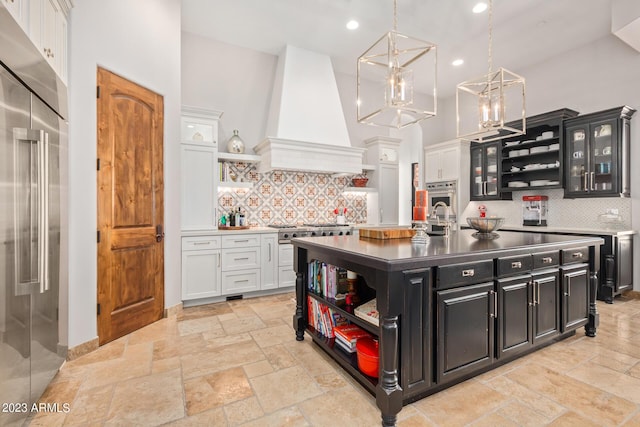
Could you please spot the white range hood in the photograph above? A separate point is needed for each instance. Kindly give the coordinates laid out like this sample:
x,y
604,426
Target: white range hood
x,y
306,128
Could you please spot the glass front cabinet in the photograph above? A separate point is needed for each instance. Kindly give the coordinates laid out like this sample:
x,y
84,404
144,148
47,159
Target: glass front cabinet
x,y
597,154
485,171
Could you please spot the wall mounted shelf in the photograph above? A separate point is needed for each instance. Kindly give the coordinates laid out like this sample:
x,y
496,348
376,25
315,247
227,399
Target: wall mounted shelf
x,y
234,157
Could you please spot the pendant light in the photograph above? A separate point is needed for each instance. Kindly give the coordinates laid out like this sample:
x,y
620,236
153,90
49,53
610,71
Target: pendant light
x,y
397,80
491,107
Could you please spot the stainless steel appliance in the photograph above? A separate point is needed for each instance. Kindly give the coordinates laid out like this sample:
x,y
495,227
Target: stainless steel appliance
x,y
288,232
439,194
32,221
534,210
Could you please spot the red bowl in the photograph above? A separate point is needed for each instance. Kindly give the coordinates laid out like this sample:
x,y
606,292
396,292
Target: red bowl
x,y
359,182
368,356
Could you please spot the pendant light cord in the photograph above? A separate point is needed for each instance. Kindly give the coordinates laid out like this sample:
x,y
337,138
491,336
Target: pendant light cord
x,y
490,35
395,15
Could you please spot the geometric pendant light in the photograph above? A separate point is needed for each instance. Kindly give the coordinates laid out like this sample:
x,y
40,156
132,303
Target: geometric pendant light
x,y
492,106
397,80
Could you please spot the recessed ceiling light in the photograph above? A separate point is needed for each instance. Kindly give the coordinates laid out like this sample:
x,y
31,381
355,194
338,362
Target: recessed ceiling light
x,y
353,24
479,7
458,62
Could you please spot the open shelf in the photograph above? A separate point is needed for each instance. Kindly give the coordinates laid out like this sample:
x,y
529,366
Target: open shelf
x,y
349,361
234,157
361,189
233,184
348,314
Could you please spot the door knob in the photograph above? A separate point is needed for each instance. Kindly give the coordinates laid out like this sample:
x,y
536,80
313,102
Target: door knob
x,y
159,233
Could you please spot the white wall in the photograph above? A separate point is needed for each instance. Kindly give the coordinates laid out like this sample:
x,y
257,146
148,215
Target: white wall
x,y
139,40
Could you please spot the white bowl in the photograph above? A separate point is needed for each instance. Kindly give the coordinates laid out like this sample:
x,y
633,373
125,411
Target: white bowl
x,y
548,134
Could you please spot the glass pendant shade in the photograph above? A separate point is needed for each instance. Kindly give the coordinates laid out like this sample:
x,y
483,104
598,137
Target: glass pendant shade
x,y
491,107
397,81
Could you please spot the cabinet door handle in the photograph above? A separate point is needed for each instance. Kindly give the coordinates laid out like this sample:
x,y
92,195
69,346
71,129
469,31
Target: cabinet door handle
x,y
547,260
585,178
593,179
538,286
269,252
516,264
568,286
495,304
468,273
484,188
219,256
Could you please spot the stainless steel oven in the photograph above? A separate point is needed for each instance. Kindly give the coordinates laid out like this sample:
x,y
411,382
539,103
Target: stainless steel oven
x,y
445,192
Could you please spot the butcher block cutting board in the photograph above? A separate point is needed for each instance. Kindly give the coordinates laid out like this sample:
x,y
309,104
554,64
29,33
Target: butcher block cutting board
x,y
386,233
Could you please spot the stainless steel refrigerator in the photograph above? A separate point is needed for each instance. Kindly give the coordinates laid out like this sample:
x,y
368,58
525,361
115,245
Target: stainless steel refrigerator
x,y
33,138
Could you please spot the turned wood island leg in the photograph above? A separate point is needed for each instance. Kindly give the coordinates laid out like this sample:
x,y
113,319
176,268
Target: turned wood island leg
x,y
594,266
298,318
389,393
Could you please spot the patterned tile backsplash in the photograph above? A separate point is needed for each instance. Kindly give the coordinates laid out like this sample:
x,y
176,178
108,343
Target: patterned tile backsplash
x,y
571,213
283,197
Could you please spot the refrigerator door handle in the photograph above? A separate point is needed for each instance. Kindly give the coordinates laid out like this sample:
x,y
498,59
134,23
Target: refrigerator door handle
x,y
43,189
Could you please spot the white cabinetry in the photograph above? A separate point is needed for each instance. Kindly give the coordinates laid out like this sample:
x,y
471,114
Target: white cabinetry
x,y
442,161
240,263
201,267
19,9
269,261
199,163
383,153
48,31
286,274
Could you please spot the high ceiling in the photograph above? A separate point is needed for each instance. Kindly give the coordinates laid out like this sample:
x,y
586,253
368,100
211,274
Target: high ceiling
x,y
525,32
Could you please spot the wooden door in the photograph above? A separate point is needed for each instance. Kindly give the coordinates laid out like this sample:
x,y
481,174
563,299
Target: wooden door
x,y
130,207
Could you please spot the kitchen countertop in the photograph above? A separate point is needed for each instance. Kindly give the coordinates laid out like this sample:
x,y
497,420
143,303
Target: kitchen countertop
x,y
251,230
570,230
459,247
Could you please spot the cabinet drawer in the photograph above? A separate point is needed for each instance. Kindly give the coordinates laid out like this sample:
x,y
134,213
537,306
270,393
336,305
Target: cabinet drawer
x,y
197,243
240,259
285,255
570,256
514,265
234,282
241,241
464,274
286,277
546,259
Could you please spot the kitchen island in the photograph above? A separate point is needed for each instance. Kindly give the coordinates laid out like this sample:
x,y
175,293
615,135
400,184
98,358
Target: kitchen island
x,y
454,307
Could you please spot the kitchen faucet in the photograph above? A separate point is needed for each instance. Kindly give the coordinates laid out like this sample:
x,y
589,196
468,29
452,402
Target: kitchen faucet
x,y
434,216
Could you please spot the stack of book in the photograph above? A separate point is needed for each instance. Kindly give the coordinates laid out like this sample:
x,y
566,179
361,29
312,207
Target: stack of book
x,y
326,280
322,318
346,336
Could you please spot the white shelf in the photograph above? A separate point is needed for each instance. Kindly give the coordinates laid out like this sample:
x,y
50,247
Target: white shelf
x,y
367,167
360,189
233,184
234,157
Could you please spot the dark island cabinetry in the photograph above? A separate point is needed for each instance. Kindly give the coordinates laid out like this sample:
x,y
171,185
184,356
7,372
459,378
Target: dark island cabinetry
x,y
453,308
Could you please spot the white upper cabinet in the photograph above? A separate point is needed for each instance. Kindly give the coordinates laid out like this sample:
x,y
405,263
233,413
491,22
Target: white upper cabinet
x,y
442,161
19,9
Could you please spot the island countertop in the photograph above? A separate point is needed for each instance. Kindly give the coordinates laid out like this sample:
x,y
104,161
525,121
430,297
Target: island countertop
x,y
460,246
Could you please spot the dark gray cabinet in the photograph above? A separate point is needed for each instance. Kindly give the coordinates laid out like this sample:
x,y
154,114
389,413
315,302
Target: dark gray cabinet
x,y
485,172
616,266
465,330
596,154
546,305
575,296
535,158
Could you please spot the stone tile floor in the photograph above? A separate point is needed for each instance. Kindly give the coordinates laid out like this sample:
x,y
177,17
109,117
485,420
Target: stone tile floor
x,y
238,363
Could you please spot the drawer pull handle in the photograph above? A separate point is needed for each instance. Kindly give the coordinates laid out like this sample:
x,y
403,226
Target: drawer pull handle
x,y
241,241
516,264
576,255
547,260
241,281
241,259
468,273
201,243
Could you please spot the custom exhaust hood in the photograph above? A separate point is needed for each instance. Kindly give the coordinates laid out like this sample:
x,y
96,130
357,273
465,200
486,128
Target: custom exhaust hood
x,y
306,128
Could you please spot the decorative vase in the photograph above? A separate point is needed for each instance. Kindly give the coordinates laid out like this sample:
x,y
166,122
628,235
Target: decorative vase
x,y
235,143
